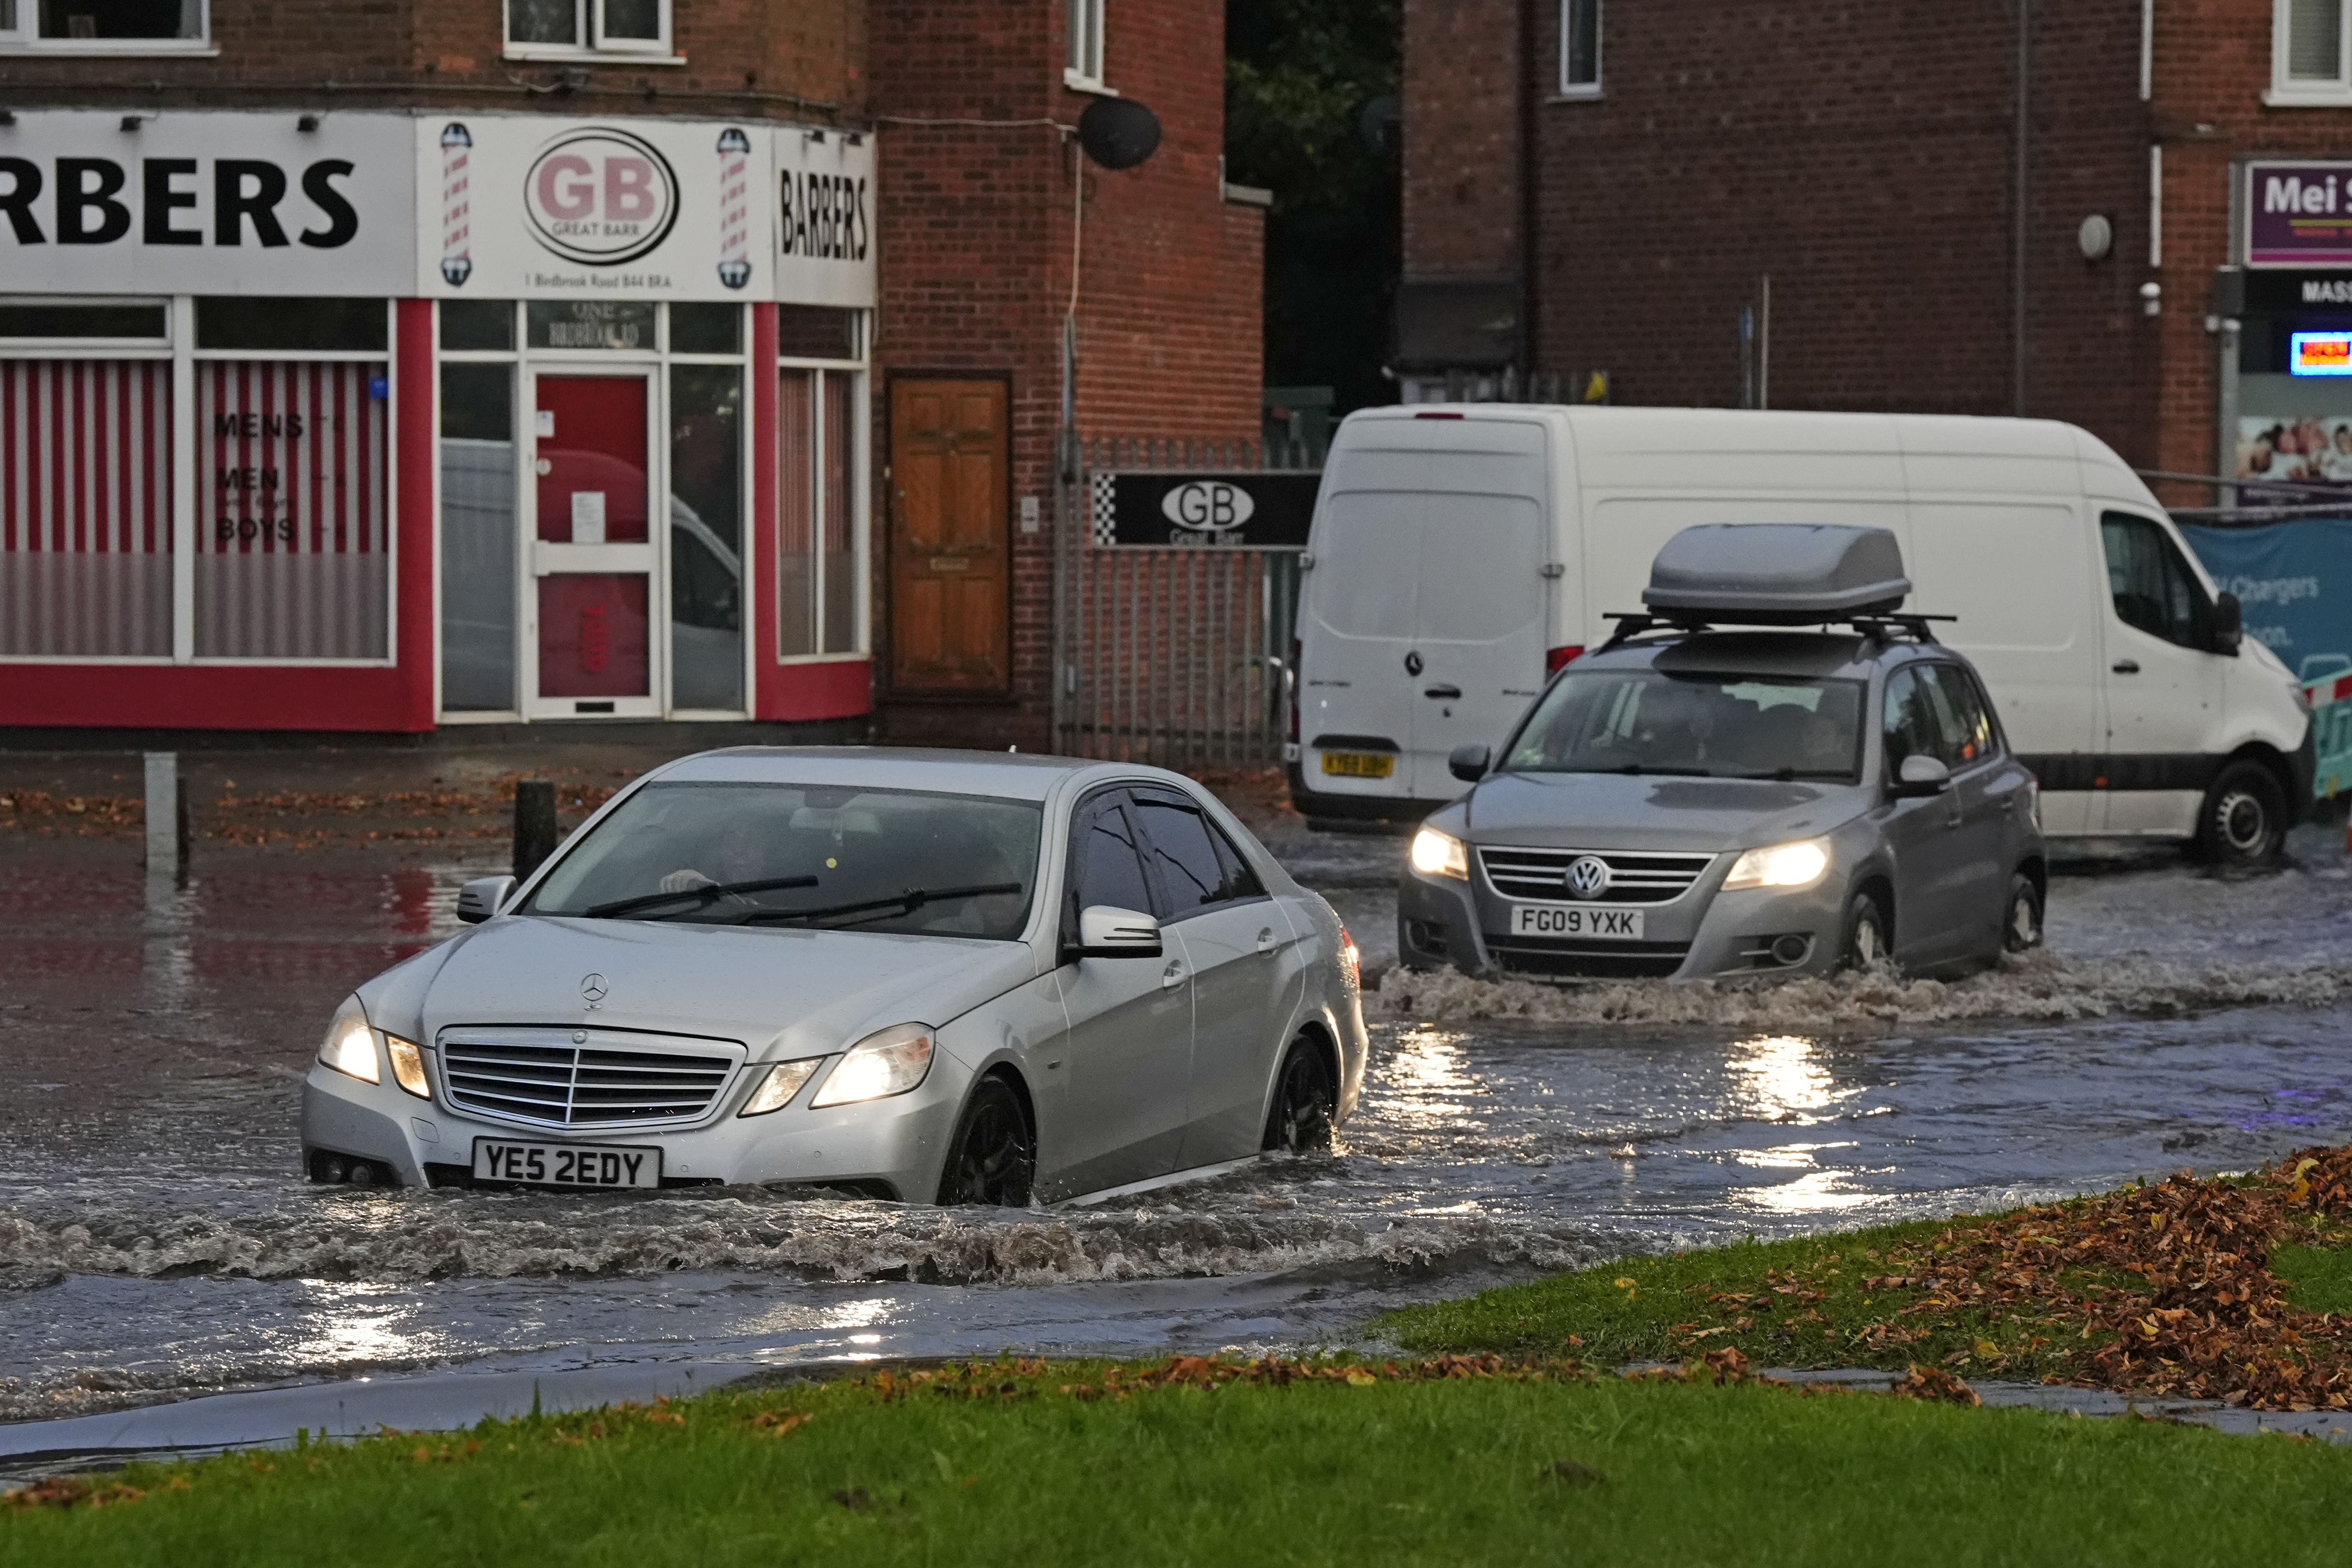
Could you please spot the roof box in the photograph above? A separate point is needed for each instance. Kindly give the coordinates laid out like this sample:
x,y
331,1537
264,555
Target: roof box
x,y
1777,573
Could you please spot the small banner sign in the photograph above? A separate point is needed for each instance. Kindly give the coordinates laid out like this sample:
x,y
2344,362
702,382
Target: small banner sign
x,y
1261,510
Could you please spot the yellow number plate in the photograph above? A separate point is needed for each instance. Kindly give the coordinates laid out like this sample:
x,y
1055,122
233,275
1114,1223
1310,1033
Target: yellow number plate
x,y
1360,764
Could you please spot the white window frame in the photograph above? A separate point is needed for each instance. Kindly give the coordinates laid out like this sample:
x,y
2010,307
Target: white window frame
x,y
20,33
1567,33
861,499
1082,46
588,28
2309,92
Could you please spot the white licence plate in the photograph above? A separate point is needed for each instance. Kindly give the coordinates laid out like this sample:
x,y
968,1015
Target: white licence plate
x,y
565,1165
1576,920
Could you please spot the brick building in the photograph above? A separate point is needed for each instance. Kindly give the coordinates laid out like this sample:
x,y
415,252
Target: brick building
x,y
1608,185
388,367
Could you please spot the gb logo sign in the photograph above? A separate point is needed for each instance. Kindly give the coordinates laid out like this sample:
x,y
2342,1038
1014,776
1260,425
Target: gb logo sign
x,y
601,198
1212,507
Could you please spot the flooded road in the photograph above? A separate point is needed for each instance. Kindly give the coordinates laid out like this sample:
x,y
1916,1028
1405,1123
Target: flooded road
x,y
156,1244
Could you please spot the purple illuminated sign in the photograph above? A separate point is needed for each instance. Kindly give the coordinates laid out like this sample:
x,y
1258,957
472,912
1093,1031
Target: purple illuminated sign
x,y
2299,215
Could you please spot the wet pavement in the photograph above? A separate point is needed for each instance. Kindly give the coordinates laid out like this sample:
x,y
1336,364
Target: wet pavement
x,y
156,1244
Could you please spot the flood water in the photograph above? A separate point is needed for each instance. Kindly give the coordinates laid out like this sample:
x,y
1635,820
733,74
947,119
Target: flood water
x,y
156,1241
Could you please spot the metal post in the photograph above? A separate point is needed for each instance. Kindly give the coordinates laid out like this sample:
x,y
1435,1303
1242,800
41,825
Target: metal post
x,y
167,818
1764,348
534,825
2020,219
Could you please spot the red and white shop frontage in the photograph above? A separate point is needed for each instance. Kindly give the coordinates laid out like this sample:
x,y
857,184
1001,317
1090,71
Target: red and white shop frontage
x,y
380,422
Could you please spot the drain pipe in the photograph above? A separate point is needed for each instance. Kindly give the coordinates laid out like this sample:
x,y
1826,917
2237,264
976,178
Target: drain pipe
x,y
2019,225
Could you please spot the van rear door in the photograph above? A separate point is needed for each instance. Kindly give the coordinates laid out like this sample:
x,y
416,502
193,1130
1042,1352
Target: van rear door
x,y
1424,616
1478,620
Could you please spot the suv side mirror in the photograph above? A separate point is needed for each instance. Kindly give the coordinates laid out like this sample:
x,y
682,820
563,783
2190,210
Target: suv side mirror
x,y
1108,932
1469,764
1921,774
479,899
2229,624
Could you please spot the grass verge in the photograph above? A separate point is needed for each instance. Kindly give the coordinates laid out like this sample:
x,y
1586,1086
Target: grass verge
x,y
1082,1464
2231,1289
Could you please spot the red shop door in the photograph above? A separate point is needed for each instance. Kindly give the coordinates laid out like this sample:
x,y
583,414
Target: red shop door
x,y
592,560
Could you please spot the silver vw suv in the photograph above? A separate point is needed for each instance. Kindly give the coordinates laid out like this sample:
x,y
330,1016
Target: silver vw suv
x,y
1716,793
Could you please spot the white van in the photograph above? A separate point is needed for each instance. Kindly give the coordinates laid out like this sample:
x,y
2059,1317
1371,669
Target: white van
x,y
1461,553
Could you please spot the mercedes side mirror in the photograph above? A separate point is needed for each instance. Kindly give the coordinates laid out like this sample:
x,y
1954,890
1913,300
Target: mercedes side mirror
x,y
2229,624
1469,764
1921,774
479,899
1108,932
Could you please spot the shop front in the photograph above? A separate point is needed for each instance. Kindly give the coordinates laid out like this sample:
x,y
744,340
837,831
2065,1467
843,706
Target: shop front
x,y
384,421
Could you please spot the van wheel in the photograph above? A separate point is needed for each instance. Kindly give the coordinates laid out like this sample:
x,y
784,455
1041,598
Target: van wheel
x,y
2244,820
2020,927
1305,1100
993,1158
1867,944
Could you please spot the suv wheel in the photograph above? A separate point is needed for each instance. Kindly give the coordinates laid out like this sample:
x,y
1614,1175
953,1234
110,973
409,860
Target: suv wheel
x,y
2243,819
2020,926
1867,941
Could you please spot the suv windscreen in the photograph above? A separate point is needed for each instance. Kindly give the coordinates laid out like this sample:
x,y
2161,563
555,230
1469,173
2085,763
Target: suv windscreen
x,y
856,859
1710,726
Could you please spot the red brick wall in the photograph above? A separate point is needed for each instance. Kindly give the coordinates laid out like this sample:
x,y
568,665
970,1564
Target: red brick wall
x,y
1863,155
975,237
1462,132
742,56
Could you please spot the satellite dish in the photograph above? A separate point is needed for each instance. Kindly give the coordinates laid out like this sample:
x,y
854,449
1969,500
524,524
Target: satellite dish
x,y
1119,132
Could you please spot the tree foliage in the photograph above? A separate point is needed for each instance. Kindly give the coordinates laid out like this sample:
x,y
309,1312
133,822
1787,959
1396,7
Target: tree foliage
x,y
1298,76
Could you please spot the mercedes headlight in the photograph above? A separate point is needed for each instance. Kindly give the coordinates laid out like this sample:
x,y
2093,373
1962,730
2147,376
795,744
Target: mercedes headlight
x,y
350,1046
1437,854
782,1082
886,1062
1799,865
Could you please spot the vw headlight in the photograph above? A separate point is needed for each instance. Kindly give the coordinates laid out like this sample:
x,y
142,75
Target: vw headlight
x,y
782,1082
407,1066
1437,854
886,1062
1799,865
350,1046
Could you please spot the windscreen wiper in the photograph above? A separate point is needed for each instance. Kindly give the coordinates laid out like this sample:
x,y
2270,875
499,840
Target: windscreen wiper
x,y
1642,769
708,893
908,903
1786,775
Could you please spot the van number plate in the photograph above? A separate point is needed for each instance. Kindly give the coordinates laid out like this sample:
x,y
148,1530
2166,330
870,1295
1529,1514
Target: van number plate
x,y
1574,920
565,1165
1360,765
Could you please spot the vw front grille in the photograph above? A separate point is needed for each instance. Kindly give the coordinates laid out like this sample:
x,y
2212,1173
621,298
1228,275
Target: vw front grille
x,y
1633,879
543,1077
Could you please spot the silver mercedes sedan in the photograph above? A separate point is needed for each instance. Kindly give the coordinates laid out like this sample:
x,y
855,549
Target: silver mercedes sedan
x,y
960,977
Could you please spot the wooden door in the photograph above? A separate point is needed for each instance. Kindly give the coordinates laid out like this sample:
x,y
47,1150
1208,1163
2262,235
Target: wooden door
x,y
951,537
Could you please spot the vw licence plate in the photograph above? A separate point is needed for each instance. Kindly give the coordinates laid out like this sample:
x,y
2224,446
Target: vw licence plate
x,y
565,1165
1574,920
1360,765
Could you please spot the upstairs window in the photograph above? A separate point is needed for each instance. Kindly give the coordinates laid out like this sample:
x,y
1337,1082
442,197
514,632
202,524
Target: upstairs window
x,y
105,27
1082,66
568,27
2308,58
1579,49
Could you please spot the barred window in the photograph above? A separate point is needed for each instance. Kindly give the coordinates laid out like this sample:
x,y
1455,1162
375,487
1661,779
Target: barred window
x,y
86,508
293,530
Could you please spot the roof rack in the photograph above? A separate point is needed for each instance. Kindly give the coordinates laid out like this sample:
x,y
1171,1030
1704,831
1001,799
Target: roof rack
x,y
1880,626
